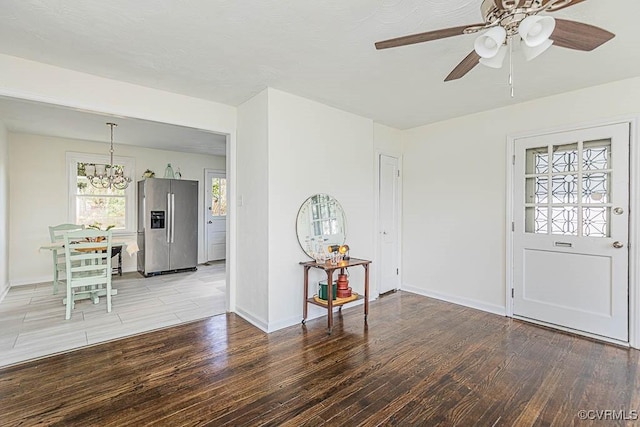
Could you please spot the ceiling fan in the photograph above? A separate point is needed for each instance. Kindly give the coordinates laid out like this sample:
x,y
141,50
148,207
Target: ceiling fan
x,y
506,20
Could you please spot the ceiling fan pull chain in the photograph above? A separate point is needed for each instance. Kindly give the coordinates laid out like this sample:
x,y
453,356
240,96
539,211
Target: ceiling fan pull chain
x,y
510,42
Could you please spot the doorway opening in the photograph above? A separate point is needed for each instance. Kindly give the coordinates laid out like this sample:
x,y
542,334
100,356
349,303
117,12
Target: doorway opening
x,y
215,214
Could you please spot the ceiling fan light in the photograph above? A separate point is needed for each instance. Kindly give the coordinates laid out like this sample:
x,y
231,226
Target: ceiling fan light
x,y
535,30
533,52
497,60
488,44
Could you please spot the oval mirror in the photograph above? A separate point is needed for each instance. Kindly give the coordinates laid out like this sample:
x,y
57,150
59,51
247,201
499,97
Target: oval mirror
x,y
321,222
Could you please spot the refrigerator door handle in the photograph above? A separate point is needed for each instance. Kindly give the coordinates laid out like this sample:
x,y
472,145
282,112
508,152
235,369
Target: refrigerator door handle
x,y
169,217
173,211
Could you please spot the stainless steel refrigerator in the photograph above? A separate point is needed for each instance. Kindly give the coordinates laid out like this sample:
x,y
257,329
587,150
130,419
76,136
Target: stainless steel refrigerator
x,y
167,226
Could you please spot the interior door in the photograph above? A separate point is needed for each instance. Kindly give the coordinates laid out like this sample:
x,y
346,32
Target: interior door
x,y
389,229
571,204
216,214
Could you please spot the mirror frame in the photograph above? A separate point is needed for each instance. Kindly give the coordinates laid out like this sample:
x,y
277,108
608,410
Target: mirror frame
x,y
310,240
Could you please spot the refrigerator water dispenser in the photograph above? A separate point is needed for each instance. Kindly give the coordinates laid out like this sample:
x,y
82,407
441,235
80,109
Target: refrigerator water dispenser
x,y
157,219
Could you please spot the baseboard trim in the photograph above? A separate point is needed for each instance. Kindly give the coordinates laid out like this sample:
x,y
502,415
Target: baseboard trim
x,y
31,281
260,324
45,279
5,291
313,312
281,324
467,302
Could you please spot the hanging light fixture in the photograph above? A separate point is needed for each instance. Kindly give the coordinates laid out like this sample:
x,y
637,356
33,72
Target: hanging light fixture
x,y
536,30
115,179
519,19
488,44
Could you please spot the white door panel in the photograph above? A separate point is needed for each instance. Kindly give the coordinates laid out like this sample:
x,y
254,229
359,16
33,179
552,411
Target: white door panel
x,y
571,203
389,229
216,224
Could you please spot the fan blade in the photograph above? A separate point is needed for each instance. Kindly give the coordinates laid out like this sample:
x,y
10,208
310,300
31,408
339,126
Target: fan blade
x,y
553,9
423,37
464,67
579,36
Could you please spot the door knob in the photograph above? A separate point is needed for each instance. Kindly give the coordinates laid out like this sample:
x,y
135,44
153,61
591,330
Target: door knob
x,y
618,245
209,222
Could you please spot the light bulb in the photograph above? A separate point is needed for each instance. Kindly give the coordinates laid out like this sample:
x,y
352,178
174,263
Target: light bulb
x,y
535,30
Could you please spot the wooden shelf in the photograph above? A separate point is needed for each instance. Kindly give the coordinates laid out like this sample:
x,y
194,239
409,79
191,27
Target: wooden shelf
x,y
335,303
330,269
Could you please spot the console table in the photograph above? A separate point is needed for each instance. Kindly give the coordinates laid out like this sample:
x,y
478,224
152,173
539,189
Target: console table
x,y
329,269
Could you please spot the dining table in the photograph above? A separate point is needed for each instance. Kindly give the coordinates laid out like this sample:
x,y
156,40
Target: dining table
x,y
129,245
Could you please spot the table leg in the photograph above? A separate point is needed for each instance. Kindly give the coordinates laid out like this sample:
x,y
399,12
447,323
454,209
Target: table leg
x,y
120,262
366,291
306,294
330,300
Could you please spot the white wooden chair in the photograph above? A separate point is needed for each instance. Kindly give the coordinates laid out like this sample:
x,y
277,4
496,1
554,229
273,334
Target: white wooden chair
x,y
56,233
88,265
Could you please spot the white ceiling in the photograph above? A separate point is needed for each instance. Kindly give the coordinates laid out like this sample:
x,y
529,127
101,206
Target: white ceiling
x,y
229,50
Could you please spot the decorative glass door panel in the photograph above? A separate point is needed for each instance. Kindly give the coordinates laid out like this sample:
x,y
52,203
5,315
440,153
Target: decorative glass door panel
x,y
567,189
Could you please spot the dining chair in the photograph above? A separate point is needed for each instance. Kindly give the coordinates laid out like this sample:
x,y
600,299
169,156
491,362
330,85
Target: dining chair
x,y
56,233
88,265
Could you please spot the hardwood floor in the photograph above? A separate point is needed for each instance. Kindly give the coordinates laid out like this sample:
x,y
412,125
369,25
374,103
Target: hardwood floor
x,y
418,362
32,322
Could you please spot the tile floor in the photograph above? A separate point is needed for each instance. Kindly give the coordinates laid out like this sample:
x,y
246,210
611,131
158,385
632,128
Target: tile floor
x,y
32,320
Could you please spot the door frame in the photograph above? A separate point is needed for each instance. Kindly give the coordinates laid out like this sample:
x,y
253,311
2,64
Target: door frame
x,y
634,219
376,237
204,210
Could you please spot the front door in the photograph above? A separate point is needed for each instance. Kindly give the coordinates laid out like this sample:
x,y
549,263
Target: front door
x,y
216,214
571,212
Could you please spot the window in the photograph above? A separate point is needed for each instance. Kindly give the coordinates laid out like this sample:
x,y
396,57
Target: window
x,y
568,189
218,196
324,217
103,207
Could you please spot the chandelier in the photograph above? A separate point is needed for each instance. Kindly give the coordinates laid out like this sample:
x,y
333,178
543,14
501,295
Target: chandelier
x,y
98,176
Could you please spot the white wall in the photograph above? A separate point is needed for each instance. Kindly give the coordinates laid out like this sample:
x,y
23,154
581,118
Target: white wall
x,y
314,148
454,186
252,183
37,203
4,211
387,140
288,149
